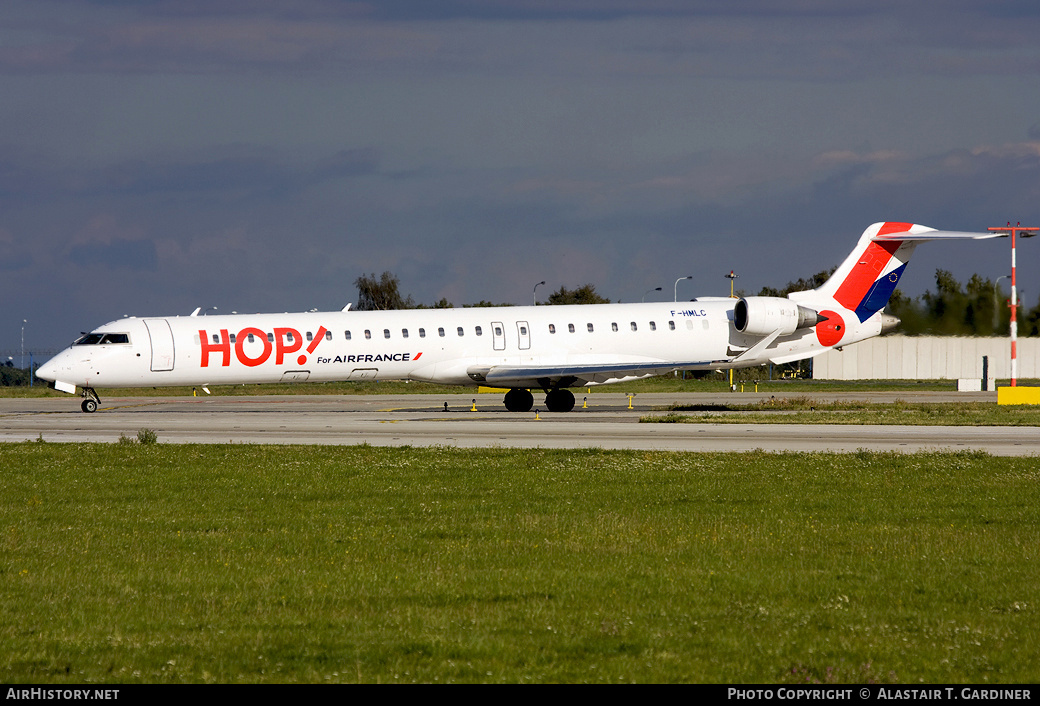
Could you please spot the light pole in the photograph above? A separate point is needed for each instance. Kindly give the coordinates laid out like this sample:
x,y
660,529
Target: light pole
x,y
731,277
534,293
676,293
1026,233
655,289
24,322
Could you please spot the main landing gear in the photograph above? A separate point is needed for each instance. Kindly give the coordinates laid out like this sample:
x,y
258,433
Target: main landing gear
x,y
556,400
559,400
90,400
519,400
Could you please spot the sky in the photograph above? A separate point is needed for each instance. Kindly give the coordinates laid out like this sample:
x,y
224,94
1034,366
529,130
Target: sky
x,y
254,155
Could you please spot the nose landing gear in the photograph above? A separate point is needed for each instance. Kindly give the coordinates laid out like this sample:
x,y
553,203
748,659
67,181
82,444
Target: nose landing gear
x,y
90,400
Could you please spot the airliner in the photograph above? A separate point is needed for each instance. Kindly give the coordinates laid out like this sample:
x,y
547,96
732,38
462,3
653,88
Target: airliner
x,y
519,349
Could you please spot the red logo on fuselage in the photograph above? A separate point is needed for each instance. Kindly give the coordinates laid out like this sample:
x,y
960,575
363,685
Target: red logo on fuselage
x,y
829,332
286,340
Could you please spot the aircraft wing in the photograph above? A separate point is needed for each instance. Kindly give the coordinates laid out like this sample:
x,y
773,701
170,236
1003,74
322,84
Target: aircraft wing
x,y
570,375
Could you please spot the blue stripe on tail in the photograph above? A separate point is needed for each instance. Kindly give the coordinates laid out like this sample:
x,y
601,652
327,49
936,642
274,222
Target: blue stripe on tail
x,y
879,294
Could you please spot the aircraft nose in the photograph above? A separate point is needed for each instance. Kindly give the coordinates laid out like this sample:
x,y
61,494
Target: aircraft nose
x,y
47,371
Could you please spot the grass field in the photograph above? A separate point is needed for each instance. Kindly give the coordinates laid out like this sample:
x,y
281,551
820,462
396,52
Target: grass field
x,y
226,563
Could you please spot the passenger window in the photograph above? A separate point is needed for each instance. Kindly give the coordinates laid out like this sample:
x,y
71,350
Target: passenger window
x,y
613,326
498,330
671,325
328,335
249,337
480,331
216,338
440,332
368,334
270,338
634,327
386,333
422,333
310,336
233,338
552,328
347,335
570,327
404,333
460,331
589,327
653,326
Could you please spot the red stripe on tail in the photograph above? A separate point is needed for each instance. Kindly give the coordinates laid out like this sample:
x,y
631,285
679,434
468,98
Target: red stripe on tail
x,y
894,227
871,263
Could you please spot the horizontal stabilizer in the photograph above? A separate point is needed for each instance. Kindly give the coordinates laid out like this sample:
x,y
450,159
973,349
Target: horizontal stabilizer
x,y
926,234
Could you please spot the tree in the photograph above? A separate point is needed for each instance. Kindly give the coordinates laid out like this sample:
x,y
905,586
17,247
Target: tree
x,y
1030,325
800,285
482,304
442,304
381,294
946,306
980,309
585,294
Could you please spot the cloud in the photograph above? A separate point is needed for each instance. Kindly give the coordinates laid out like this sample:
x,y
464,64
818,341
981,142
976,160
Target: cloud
x,y
255,154
809,39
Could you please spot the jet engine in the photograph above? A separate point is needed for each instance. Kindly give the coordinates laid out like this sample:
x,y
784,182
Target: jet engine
x,y
761,316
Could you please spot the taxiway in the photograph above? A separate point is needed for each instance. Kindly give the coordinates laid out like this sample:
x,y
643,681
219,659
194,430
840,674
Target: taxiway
x,y
611,421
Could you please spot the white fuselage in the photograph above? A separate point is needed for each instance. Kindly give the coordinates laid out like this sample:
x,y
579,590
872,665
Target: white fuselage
x,y
449,346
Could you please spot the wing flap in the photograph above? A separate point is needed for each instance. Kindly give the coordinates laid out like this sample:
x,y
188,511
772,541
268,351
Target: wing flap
x,y
536,375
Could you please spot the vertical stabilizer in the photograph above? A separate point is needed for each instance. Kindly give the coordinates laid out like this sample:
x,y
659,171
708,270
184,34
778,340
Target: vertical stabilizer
x,y
866,279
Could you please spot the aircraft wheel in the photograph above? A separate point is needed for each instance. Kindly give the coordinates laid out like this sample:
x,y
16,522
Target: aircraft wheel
x,y
559,401
88,405
519,400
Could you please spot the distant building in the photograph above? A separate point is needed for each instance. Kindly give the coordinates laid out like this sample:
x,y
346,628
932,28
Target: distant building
x,y
927,358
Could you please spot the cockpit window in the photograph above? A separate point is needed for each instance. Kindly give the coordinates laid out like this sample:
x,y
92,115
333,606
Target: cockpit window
x,y
94,339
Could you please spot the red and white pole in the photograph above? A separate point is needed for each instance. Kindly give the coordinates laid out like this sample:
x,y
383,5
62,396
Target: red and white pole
x,y
1014,313
1029,232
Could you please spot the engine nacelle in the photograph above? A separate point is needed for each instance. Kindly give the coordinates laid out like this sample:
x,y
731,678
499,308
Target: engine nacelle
x,y
761,316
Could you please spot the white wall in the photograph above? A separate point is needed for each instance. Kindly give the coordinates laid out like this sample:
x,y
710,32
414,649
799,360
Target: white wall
x,y
927,358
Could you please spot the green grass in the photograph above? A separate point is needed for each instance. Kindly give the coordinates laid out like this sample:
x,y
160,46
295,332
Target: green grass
x,y
805,410
229,563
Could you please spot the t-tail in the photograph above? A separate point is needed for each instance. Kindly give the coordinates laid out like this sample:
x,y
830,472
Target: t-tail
x,y
853,299
849,306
